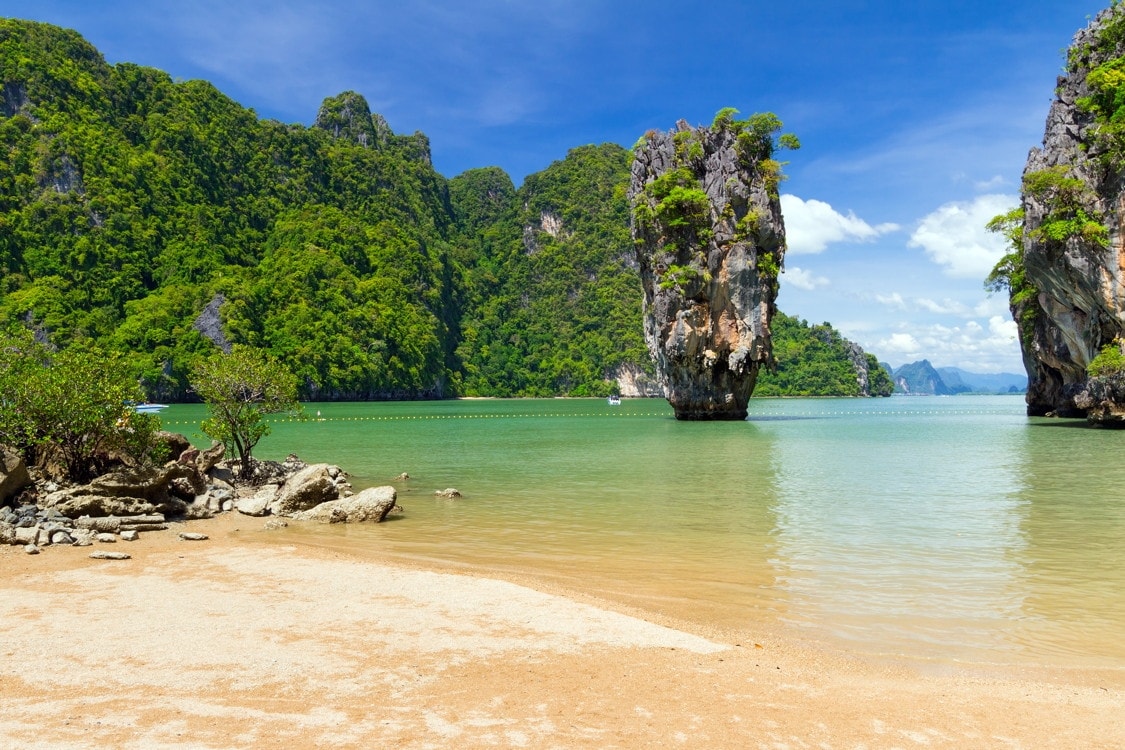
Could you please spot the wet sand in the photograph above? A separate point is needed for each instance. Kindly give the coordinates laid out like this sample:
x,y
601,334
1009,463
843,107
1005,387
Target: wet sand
x,y
234,642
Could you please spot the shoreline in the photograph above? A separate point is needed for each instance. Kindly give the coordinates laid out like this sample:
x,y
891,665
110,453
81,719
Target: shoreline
x,y
251,637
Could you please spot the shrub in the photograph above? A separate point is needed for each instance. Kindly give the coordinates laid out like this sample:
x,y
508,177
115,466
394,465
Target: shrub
x,y
1110,361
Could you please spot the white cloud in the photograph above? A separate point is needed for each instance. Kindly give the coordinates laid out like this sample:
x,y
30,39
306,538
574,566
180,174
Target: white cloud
x,y
969,345
894,300
803,279
810,226
954,235
994,182
945,307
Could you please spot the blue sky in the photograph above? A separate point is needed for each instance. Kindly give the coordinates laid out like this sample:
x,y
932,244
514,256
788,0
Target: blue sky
x,y
915,118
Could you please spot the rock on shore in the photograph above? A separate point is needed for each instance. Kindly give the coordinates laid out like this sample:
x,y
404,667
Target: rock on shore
x,y
123,503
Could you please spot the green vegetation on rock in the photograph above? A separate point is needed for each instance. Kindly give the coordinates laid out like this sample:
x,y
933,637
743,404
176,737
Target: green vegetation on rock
x,y
130,203
817,361
1109,361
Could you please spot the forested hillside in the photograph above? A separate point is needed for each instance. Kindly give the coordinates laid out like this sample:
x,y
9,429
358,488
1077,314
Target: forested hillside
x,y
131,203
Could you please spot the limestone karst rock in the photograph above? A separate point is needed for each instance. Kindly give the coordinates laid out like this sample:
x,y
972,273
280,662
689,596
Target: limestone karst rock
x,y
1067,281
710,241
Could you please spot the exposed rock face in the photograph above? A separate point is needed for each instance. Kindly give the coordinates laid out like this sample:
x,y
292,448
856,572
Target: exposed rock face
x,y
1076,295
633,382
13,474
348,116
210,324
710,241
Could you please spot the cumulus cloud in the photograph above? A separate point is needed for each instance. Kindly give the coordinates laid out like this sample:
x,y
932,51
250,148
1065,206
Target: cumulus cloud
x,y
894,300
971,345
812,225
992,183
954,236
803,279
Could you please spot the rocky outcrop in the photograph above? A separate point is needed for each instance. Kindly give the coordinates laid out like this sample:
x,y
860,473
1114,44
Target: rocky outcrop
x,y
347,116
309,487
633,382
369,506
210,323
168,489
13,474
1103,399
710,241
121,504
1071,302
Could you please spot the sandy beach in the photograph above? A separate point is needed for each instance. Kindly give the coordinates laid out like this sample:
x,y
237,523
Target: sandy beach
x,y
244,641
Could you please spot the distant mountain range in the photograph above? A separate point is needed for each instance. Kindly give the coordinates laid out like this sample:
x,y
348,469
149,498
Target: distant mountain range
x,y
923,379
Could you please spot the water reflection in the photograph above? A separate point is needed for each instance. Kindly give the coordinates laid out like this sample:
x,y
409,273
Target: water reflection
x,y
630,504
896,530
931,528
1072,567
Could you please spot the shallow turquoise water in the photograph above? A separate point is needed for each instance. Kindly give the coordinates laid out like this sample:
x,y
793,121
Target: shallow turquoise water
x,y
930,528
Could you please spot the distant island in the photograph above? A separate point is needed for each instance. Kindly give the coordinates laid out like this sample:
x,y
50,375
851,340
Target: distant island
x,y
923,379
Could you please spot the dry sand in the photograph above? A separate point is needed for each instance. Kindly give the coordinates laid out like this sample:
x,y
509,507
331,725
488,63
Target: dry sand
x,y
235,643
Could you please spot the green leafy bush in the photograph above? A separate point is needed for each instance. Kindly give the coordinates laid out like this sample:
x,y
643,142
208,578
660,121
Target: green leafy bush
x,y
72,405
240,389
1109,361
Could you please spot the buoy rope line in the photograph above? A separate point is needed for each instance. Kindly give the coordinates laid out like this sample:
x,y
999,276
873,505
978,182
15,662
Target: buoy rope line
x,y
754,417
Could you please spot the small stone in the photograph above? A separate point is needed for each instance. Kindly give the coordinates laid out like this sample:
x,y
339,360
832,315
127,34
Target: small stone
x,y
191,536
106,538
31,549
228,506
449,493
274,523
103,555
130,536
401,477
83,537
61,537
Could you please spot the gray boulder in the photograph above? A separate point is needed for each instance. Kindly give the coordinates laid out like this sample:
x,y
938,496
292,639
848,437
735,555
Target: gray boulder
x,y
74,503
84,537
307,488
257,504
131,492
209,459
58,536
369,506
13,474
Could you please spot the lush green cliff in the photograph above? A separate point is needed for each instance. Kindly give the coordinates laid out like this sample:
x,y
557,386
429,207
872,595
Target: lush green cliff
x,y
155,217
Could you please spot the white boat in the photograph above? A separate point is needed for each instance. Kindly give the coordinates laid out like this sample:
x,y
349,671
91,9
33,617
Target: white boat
x,y
149,408
614,401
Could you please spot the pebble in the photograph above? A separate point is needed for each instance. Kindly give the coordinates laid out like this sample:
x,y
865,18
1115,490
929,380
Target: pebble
x,y
191,536
31,549
130,536
106,538
103,555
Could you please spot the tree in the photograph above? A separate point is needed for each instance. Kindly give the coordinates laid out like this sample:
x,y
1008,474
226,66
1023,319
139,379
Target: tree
x,y
240,389
73,405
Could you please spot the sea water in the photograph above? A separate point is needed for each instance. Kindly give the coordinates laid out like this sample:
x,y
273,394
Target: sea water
x,y
942,529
